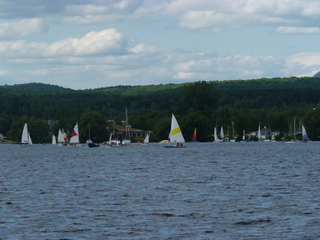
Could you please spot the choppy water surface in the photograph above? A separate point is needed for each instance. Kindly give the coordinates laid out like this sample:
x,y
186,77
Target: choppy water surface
x,y
205,191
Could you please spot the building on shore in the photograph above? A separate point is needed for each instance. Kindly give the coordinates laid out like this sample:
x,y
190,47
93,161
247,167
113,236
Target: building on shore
x,y
123,130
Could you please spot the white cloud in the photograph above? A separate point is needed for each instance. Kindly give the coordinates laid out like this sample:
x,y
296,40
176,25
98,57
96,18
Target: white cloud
x,y
73,54
3,73
184,66
102,12
108,41
217,15
37,73
142,48
213,21
299,30
21,29
184,75
305,59
203,15
303,64
86,9
72,61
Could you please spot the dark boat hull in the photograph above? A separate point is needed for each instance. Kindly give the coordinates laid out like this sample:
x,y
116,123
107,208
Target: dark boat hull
x,y
173,146
91,145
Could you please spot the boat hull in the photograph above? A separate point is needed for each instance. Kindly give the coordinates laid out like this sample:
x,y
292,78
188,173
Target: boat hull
x,y
25,145
173,146
92,145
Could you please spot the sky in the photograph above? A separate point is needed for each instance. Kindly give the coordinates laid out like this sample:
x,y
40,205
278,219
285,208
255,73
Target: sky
x,y
88,44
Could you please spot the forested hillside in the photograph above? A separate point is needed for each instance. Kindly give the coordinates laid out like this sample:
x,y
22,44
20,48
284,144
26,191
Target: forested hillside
x,y
202,105
35,86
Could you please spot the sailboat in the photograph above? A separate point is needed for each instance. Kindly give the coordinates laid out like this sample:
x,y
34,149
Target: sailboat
x,y
126,141
90,143
146,140
121,141
194,136
54,140
222,134
61,139
216,139
74,140
243,136
305,137
175,135
259,133
265,135
233,139
25,138
110,142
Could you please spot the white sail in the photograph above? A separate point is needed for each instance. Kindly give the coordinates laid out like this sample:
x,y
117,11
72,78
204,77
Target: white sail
x,y
60,136
146,140
75,134
25,138
54,140
110,142
221,133
175,133
216,139
259,132
30,140
304,134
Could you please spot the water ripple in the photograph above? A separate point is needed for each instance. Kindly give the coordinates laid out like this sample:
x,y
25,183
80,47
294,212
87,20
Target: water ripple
x,y
205,191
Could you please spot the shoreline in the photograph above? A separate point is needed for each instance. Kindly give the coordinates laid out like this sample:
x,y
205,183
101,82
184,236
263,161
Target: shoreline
x,y
8,142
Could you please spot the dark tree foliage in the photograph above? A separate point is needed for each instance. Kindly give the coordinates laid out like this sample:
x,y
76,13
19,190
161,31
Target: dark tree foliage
x,y
37,128
311,123
93,126
195,120
199,96
242,103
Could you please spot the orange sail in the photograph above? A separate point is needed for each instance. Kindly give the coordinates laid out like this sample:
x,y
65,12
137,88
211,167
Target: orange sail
x,y
194,136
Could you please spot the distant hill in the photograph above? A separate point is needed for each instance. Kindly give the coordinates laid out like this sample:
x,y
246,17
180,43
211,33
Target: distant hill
x,y
32,86
224,85
268,83
144,90
317,75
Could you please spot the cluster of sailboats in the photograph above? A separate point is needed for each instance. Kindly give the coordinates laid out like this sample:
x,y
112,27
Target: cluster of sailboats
x,y
260,136
63,138
175,137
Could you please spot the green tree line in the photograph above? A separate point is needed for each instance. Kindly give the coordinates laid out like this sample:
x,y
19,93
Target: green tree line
x,y
202,105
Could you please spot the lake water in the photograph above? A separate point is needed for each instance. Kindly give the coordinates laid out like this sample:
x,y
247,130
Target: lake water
x,y
205,191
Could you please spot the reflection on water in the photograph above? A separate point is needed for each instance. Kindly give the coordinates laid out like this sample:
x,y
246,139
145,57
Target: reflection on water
x,y
205,191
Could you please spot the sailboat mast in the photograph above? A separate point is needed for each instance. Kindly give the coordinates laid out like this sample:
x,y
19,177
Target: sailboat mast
x,y
232,129
89,132
294,128
127,125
